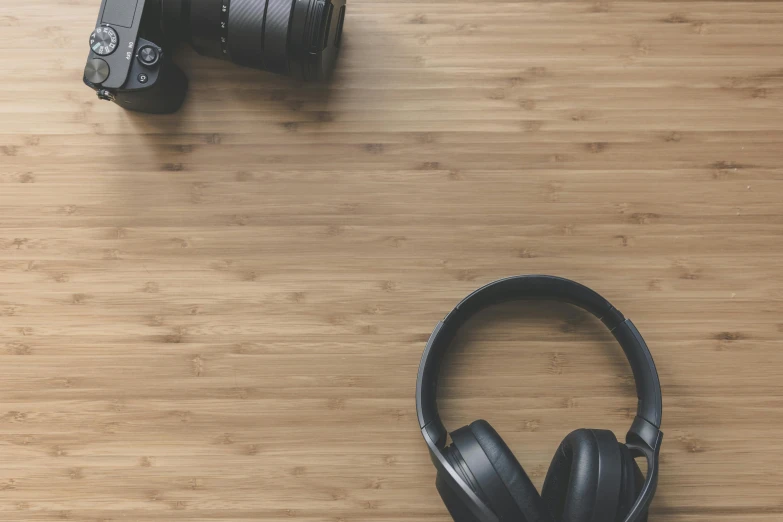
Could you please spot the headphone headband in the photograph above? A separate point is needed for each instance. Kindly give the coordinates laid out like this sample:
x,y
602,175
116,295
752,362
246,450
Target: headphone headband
x,y
644,437
536,287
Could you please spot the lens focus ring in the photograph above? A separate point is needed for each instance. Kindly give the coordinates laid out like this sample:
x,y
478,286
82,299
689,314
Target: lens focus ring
x,y
278,16
246,32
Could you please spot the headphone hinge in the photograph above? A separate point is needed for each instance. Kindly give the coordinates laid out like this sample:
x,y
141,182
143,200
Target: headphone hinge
x,y
643,433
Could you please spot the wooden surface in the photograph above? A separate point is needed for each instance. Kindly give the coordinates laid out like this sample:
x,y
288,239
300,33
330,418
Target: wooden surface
x,y
219,315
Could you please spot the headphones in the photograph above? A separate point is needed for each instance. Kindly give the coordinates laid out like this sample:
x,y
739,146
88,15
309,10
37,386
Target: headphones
x,y
592,478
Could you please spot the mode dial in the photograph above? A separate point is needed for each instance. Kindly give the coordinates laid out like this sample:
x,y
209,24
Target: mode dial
x,y
103,41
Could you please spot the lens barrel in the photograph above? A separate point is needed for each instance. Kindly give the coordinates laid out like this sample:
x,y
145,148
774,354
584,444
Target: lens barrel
x,y
300,38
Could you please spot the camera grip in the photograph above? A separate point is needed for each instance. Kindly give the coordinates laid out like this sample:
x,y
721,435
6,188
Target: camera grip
x,y
159,92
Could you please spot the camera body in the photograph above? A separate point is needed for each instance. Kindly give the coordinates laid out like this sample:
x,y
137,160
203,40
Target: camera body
x,y
131,47
129,61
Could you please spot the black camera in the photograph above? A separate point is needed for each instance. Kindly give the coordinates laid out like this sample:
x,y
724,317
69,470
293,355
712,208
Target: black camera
x,y
130,48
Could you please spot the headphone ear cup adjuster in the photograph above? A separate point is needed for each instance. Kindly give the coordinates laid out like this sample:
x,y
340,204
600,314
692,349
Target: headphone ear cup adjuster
x,y
631,484
454,457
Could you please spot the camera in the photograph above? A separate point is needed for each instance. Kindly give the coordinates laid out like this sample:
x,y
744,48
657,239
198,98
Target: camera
x,y
130,49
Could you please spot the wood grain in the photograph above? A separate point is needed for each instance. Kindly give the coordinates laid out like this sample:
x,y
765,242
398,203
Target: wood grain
x,y
219,315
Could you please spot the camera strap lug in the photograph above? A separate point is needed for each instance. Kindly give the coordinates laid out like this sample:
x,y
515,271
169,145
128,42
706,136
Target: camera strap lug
x,y
105,94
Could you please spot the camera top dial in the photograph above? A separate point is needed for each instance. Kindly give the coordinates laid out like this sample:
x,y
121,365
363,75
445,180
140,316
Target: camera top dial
x,y
103,41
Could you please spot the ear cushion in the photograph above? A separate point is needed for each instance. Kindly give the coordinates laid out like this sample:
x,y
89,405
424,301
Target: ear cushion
x,y
572,483
511,473
457,509
631,485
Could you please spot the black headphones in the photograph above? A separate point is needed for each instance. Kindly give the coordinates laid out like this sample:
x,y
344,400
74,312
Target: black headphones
x,y
592,478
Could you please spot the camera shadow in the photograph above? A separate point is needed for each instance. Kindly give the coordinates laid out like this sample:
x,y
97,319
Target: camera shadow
x,y
218,88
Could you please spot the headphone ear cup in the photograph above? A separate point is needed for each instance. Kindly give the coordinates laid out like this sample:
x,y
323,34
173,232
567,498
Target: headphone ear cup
x,y
457,509
630,486
584,480
501,478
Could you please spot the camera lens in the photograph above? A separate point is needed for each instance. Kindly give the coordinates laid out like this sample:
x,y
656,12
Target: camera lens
x,y
300,38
